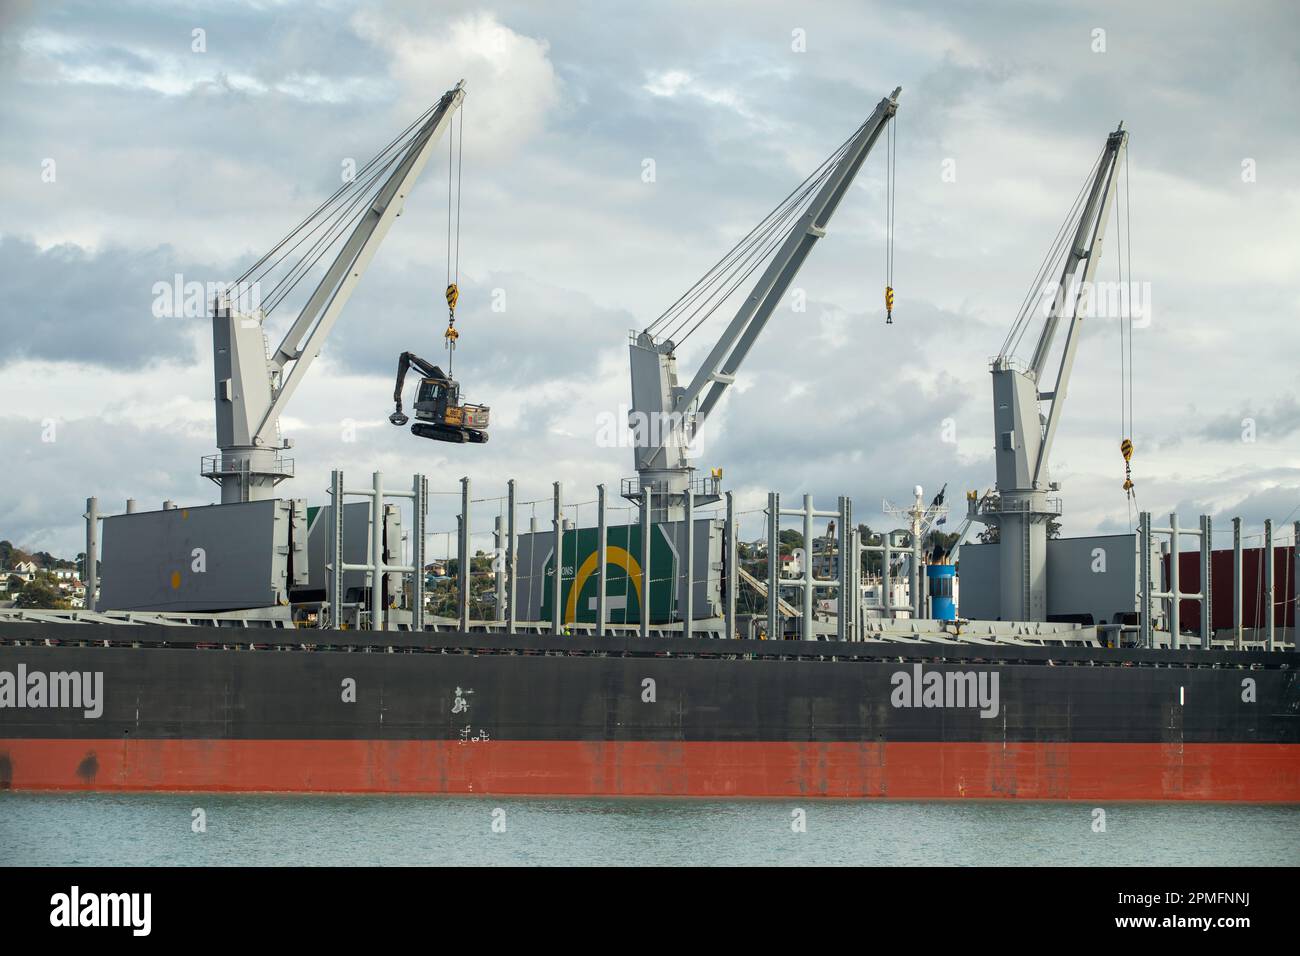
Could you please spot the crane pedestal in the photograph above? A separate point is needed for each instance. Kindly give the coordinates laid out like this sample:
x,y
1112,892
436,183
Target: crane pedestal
x,y
668,493
1022,520
246,474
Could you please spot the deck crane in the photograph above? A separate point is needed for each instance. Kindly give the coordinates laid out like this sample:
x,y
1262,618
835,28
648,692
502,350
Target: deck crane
x,y
254,385
1023,433
665,416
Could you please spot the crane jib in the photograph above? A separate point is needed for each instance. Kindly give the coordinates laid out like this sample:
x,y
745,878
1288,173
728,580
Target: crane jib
x,y
783,239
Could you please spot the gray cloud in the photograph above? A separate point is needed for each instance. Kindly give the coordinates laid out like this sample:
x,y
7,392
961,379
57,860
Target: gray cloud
x,y
169,157
1280,420
545,331
89,456
67,304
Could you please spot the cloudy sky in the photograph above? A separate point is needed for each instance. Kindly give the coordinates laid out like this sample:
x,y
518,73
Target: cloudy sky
x,y
135,149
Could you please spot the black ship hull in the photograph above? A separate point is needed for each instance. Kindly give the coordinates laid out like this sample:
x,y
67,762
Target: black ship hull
x,y
162,708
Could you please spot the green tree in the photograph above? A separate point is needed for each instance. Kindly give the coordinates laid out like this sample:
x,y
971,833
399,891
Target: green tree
x,y
41,592
11,554
944,541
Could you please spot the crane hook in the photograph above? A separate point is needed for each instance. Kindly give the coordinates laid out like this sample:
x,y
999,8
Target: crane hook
x,y
451,335
889,305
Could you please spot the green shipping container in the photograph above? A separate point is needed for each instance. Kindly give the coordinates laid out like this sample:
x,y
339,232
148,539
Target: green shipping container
x,y
579,576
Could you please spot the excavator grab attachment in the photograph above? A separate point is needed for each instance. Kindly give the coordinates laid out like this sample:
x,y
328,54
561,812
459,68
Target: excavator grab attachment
x,y
439,414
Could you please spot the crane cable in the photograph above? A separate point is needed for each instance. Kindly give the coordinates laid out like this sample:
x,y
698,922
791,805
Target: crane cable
x,y
716,286
891,161
326,225
1124,267
1052,263
455,165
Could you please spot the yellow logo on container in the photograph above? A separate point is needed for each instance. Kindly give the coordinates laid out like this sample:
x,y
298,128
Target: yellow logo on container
x,y
616,556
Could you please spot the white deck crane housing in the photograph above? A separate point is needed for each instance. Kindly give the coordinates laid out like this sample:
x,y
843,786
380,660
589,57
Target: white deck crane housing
x,y
253,386
1023,432
666,416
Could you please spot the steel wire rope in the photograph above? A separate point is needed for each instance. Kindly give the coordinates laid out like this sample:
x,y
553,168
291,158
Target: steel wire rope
x,y
762,246
368,187
402,136
758,256
1050,259
344,220
690,294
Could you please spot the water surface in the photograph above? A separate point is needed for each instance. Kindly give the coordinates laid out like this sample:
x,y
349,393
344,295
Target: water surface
x,y
263,829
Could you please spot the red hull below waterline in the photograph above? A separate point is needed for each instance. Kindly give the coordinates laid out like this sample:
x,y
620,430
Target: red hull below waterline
x,y
893,770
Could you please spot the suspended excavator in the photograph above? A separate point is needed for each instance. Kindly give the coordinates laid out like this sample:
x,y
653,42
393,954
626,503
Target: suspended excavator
x,y
438,411
254,384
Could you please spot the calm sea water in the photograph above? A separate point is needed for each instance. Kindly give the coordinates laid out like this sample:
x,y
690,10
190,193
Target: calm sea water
x,y
153,829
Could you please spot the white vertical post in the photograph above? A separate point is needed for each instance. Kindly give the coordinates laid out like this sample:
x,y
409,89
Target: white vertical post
x,y
730,556
844,619
1270,631
1147,637
90,571
1237,625
557,581
886,581
1175,610
647,502
807,568
463,557
1207,582
336,550
377,617
773,566
602,561
916,583
499,567
419,511
512,561
688,604
856,551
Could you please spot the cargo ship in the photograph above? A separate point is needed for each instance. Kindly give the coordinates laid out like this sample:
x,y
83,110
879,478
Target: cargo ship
x,y
141,707
267,644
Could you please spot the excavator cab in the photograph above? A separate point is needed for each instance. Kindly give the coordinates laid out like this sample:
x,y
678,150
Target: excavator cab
x,y
439,413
